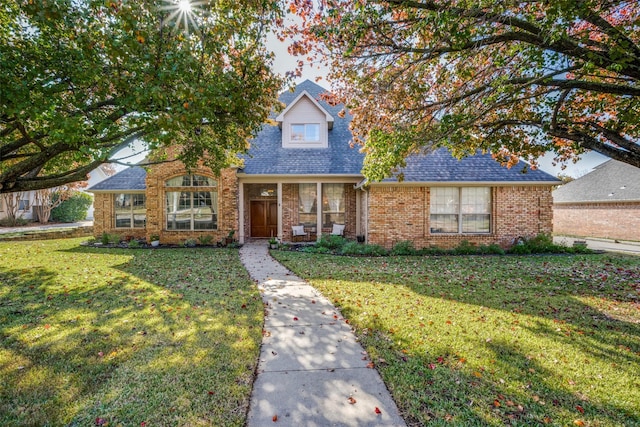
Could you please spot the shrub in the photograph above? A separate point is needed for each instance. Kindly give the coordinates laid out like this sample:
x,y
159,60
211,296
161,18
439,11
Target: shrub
x,y
73,209
491,249
13,222
465,248
316,249
205,240
403,248
331,242
104,239
190,243
134,244
352,248
542,244
374,250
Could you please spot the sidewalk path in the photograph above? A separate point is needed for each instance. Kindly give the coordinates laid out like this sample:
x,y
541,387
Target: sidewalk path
x,y
7,230
310,362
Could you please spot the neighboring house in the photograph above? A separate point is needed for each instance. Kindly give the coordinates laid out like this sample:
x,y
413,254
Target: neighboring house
x,y
603,203
27,198
304,172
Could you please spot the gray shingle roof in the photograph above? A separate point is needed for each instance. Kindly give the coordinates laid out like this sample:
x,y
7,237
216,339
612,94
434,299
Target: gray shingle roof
x,y
441,166
612,181
267,157
130,179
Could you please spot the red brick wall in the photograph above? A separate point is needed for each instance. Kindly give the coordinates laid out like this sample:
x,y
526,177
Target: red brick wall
x,y
104,218
604,220
156,212
401,212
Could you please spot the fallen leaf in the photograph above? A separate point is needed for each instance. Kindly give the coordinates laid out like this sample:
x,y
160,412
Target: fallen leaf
x,y
295,318
275,418
100,421
432,366
378,411
211,392
580,409
351,400
370,365
496,403
579,423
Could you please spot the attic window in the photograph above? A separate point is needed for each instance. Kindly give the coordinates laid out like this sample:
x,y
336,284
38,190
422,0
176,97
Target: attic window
x,y
305,132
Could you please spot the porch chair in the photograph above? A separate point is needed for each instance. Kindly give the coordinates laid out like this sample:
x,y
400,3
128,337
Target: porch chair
x,y
297,233
337,230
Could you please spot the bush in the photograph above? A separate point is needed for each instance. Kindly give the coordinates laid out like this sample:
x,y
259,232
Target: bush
x,y
316,249
403,248
73,209
205,240
465,248
352,248
189,243
331,242
13,222
491,249
134,244
543,244
375,250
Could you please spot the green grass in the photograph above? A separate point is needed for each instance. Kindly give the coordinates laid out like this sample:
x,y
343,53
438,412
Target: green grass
x,y
125,337
542,340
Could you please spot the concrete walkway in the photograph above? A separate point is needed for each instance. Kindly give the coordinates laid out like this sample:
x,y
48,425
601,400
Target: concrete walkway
x,y
312,371
42,227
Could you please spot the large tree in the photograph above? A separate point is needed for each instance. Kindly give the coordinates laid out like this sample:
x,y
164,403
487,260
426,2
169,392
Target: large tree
x,y
516,78
81,78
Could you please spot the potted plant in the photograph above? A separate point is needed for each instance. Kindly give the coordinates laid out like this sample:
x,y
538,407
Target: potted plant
x,y
230,237
155,240
273,243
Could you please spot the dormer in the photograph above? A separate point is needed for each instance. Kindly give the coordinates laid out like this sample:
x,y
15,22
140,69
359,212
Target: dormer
x,y
305,124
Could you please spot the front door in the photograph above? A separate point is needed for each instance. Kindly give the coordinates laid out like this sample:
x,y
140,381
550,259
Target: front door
x,y
264,218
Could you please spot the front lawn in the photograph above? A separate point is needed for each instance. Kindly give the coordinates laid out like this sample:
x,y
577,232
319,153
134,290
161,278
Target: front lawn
x,y
494,340
125,337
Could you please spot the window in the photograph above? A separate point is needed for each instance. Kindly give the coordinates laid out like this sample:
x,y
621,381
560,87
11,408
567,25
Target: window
x,y
23,205
460,210
131,210
308,132
307,212
194,206
332,204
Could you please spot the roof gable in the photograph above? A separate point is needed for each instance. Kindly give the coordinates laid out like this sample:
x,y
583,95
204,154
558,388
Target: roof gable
x,y
304,94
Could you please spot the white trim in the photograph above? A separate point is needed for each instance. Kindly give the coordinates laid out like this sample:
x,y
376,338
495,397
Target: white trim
x,y
241,212
318,210
279,196
328,116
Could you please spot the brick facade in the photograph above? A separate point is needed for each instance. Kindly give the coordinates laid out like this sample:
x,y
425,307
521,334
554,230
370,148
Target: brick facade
x,y
227,186
388,213
620,220
401,212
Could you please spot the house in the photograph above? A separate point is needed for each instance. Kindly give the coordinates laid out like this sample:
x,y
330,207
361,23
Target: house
x,y
304,172
604,203
27,199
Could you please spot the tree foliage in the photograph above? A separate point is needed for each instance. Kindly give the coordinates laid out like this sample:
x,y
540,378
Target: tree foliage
x,y
514,78
81,78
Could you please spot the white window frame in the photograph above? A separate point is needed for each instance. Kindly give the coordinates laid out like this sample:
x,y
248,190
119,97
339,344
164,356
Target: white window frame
x,y
305,133
196,186
131,211
461,210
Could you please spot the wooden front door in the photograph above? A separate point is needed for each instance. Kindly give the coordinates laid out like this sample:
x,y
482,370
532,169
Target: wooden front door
x,y
264,218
